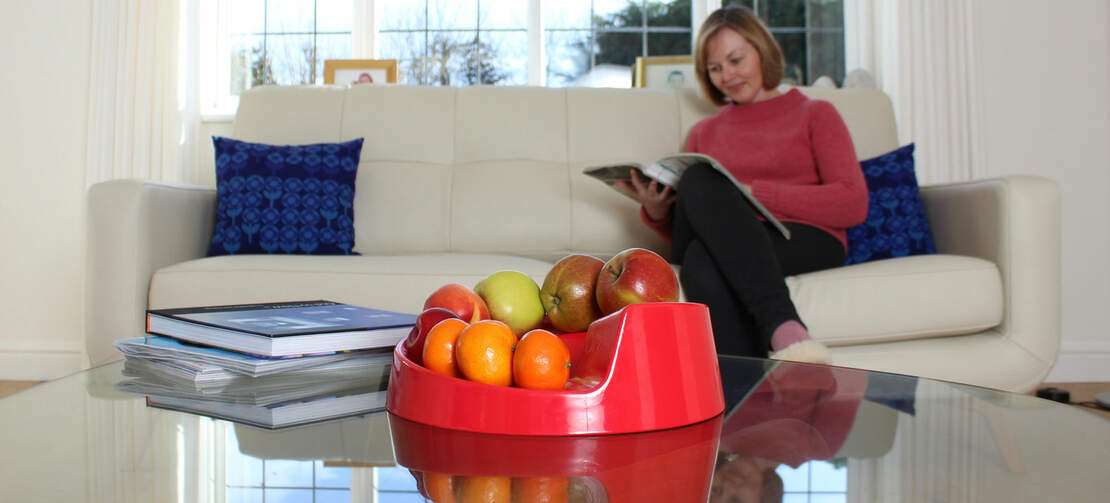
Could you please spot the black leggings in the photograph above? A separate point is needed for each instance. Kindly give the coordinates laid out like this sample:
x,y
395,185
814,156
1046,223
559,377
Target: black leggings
x,y
735,263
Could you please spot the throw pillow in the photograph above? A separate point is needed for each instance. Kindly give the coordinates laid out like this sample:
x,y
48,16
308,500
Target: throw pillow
x,y
896,225
288,199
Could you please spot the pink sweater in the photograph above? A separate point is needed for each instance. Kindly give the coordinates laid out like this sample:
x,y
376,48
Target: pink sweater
x,y
795,153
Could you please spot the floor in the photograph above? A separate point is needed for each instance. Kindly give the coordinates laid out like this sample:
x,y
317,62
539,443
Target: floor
x,y
1080,392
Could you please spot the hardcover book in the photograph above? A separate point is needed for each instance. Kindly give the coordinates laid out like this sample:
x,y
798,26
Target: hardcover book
x,y
668,171
283,328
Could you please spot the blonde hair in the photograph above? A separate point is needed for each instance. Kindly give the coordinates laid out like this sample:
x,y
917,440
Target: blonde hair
x,y
743,21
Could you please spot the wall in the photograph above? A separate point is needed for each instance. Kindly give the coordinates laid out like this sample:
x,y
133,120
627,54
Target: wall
x,y
44,94
1046,67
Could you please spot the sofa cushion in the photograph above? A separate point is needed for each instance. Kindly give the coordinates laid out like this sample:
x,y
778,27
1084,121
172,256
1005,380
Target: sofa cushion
x,y
284,199
398,282
898,299
896,225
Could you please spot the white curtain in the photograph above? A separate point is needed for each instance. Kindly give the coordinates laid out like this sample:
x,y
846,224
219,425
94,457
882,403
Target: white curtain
x,y
143,115
923,54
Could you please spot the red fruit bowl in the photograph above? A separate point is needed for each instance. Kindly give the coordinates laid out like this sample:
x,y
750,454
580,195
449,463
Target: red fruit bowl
x,y
646,367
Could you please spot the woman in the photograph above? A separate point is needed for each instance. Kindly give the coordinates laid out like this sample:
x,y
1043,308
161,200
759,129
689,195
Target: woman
x,y
795,155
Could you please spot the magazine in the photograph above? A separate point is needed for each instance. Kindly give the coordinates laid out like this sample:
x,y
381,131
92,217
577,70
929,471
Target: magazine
x,y
283,328
668,170
197,363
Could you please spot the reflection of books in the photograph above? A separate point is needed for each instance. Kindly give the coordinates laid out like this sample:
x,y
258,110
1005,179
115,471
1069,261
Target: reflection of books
x,y
283,328
267,390
668,170
185,361
350,402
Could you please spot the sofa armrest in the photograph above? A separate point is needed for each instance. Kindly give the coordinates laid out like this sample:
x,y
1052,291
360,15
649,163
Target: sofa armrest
x,y
136,227
1013,221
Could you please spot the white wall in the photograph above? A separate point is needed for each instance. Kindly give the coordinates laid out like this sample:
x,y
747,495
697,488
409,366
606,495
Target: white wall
x,y
1046,71
42,136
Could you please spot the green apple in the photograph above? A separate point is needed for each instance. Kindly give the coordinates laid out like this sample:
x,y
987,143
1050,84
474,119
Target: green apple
x,y
513,298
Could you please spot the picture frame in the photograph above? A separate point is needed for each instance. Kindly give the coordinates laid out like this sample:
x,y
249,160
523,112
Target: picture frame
x,y
665,72
356,71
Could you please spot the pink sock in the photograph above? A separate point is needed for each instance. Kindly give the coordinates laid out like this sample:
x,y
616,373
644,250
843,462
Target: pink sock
x,y
788,333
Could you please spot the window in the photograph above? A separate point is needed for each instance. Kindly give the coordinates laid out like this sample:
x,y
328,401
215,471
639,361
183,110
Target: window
x,y
502,42
285,41
595,42
456,42
811,33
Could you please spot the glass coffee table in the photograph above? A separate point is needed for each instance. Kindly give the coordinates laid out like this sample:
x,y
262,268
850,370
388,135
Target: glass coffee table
x,y
800,433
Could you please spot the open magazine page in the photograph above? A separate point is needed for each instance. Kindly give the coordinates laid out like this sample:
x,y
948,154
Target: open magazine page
x,y
668,171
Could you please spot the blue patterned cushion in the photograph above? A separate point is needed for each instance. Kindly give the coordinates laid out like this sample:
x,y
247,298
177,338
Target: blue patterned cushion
x,y
896,225
289,199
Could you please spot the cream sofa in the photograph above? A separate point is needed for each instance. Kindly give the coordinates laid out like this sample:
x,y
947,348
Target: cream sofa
x,y
456,183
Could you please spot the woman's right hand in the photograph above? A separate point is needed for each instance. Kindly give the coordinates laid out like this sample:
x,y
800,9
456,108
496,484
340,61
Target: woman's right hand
x,y
657,202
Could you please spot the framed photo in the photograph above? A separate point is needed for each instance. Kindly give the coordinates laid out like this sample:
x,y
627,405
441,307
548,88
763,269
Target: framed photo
x,y
360,71
665,72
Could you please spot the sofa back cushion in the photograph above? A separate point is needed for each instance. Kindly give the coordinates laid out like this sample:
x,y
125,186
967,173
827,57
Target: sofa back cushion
x,y
499,169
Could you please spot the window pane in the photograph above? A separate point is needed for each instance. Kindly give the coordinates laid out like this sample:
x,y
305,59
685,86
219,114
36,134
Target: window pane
x,y
290,58
828,478
504,58
332,496
334,15
566,14
618,48
503,14
402,15
672,13
288,473
332,476
669,44
244,494
288,495
828,498
827,56
395,478
408,49
794,479
795,498
781,13
330,47
289,16
826,13
240,469
384,497
746,3
452,14
248,68
626,12
568,56
245,16
794,52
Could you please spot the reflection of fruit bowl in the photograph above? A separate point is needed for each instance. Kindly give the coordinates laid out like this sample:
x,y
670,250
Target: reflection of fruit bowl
x,y
646,367
673,465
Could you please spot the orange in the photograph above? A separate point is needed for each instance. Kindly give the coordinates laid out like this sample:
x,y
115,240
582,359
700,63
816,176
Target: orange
x,y
541,361
440,487
541,489
485,489
439,347
484,353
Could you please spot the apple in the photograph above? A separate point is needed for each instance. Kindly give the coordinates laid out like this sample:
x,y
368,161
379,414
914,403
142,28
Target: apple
x,y
414,343
569,292
632,276
513,298
460,300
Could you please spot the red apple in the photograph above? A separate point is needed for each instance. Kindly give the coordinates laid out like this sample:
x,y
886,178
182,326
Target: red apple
x,y
569,292
460,300
414,343
632,276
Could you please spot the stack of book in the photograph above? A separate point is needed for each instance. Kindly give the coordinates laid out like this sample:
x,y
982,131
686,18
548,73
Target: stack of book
x,y
271,365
